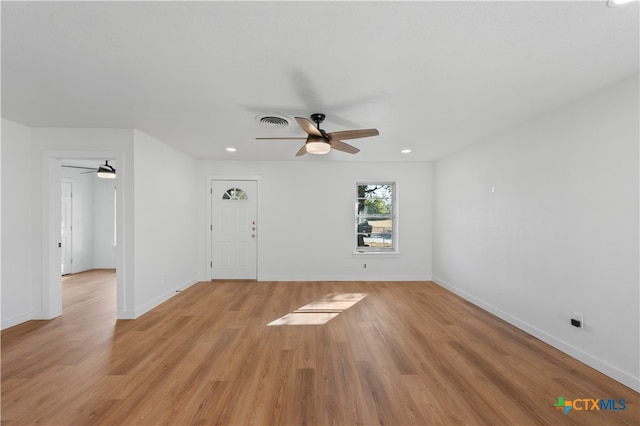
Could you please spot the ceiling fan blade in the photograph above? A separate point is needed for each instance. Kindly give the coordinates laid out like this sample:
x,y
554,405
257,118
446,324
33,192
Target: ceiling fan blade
x,y
80,167
308,126
344,147
302,151
353,134
92,171
284,138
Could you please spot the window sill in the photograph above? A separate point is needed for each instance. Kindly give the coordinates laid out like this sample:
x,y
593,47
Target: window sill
x,y
392,253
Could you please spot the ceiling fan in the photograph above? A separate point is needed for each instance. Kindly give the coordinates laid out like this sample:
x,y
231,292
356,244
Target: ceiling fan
x,y
105,171
320,142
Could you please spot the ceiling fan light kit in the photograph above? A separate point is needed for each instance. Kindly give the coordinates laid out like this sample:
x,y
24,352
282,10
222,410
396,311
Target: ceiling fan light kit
x,y
106,171
320,142
317,145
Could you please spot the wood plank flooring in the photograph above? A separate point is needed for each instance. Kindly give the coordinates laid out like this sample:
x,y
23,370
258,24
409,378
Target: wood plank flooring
x,y
410,353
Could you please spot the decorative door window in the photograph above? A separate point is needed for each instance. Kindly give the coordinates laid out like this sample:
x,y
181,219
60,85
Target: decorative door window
x,y
234,194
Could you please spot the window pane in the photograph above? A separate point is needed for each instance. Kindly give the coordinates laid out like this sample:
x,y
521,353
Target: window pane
x,y
383,190
375,199
381,225
234,194
375,232
378,206
378,240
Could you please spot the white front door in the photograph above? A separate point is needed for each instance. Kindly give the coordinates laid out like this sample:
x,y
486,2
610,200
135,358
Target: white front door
x,y
234,229
65,227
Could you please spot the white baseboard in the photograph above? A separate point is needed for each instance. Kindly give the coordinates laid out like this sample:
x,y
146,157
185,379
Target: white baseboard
x,y
13,321
161,299
372,277
104,266
126,315
31,316
76,269
586,358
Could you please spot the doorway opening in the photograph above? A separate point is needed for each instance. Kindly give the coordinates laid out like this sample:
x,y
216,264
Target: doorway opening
x,y
91,245
87,218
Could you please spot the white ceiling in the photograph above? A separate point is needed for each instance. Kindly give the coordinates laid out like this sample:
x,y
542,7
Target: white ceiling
x,y
430,76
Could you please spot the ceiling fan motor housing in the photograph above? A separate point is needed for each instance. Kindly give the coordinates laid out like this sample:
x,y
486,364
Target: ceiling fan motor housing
x,y
318,118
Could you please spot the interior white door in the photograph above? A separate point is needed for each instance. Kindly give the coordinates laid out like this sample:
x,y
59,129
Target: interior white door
x,y
234,229
66,226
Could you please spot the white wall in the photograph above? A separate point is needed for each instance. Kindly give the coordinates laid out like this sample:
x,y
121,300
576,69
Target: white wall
x,y
559,233
306,212
17,220
165,222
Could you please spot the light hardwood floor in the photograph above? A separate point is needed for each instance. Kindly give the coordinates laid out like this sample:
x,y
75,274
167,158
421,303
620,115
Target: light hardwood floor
x,y
408,353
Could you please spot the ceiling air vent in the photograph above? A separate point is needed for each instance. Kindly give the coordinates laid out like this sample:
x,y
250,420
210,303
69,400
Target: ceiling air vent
x,y
272,120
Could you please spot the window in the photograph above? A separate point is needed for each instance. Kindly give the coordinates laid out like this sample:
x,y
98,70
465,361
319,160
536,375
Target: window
x,y
234,194
376,217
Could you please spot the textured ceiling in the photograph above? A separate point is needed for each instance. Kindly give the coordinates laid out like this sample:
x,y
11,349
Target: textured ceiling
x,y
431,76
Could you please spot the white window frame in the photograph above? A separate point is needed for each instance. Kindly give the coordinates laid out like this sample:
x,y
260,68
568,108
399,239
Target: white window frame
x,y
394,220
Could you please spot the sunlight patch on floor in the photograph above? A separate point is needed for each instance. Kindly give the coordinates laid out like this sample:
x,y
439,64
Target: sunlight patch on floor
x,y
306,318
320,311
327,306
345,296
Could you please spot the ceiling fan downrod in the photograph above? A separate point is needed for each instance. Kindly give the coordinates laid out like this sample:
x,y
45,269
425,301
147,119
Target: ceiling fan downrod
x,y
318,118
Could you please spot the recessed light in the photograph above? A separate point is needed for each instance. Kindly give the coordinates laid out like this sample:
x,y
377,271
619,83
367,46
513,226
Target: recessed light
x,y
231,149
617,3
405,151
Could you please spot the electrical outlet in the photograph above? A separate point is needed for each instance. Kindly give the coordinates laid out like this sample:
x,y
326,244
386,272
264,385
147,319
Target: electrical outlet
x,y
577,320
